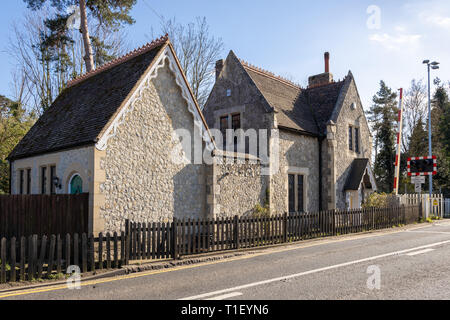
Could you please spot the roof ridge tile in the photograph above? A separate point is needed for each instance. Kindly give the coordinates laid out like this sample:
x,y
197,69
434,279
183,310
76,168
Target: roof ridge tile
x,y
269,74
136,52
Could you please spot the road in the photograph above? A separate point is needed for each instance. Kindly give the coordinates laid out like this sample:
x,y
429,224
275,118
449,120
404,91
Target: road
x,y
411,264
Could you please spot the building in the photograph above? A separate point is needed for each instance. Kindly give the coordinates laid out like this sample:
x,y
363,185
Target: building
x,y
323,138
132,135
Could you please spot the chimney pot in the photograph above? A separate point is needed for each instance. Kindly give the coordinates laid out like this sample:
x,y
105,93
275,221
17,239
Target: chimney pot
x,y
327,62
219,67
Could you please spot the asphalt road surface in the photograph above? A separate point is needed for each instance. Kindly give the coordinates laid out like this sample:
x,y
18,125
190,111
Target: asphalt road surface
x,y
412,264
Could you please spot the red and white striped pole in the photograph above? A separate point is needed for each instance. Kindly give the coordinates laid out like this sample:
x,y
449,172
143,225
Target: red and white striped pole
x,y
399,143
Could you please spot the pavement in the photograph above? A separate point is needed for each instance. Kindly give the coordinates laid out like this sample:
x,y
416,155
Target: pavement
x,y
407,264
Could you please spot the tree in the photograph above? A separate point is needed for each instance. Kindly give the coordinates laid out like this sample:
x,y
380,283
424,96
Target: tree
x,y
14,124
418,141
48,54
440,115
415,110
112,14
197,51
384,114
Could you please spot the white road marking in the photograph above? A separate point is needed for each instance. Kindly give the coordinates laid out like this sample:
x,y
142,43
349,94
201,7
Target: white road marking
x,y
419,252
226,296
259,283
437,232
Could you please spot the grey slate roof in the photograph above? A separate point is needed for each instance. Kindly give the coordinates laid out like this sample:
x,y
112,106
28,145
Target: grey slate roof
x,y
356,174
81,111
306,110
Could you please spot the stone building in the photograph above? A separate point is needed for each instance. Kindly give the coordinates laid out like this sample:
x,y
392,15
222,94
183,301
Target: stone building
x,y
115,133
132,135
319,140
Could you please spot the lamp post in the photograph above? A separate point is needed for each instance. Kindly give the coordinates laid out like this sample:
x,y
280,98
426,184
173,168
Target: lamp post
x,y
430,65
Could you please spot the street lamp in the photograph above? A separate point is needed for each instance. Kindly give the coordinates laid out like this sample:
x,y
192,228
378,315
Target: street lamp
x,y
433,65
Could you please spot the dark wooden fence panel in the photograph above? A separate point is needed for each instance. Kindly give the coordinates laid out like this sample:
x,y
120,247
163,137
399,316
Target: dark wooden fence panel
x,y
25,215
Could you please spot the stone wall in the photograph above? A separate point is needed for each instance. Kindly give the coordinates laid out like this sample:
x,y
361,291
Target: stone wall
x,y
298,154
343,156
239,187
243,98
142,182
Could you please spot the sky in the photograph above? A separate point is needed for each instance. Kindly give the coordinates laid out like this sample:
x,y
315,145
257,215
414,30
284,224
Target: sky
x,y
376,40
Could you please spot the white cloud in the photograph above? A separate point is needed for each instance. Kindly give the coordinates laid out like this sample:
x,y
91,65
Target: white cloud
x,y
396,42
435,20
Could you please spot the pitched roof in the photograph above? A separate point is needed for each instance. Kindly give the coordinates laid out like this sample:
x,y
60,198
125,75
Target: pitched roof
x,y
356,174
79,114
306,110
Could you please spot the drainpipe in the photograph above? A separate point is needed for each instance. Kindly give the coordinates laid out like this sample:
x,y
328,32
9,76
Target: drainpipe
x,y
320,140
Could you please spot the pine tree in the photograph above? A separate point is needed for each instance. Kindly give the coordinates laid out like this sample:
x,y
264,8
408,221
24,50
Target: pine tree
x,y
112,14
440,117
384,111
418,142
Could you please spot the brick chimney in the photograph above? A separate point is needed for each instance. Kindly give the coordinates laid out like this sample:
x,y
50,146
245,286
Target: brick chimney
x,y
219,67
323,78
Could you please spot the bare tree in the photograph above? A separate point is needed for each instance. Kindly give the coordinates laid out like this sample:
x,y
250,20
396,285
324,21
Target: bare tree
x,y
415,108
197,51
40,76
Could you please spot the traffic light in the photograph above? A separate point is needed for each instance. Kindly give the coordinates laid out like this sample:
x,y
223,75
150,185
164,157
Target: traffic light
x,y
422,166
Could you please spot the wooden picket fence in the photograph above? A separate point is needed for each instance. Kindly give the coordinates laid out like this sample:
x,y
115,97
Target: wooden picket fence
x,y
36,257
196,236
33,257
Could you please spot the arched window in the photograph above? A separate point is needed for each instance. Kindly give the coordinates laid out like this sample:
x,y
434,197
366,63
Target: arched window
x,y
76,184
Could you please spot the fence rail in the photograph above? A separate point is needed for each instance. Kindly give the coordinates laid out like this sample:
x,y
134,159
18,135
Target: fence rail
x,y
33,257
25,215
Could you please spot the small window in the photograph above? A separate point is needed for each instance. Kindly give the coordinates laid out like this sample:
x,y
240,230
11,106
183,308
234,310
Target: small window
x,y
300,202
76,185
44,180
296,193
357,140
28,181
236,122
223,129
21,181
291,179
52,180
350,138
235,125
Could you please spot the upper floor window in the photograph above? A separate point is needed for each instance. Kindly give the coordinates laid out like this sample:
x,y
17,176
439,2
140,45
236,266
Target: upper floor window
x,y
357,140
236,121
350,138
223,129
225,125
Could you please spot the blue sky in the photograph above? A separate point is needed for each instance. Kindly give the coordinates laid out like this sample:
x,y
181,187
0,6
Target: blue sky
x,y
289,37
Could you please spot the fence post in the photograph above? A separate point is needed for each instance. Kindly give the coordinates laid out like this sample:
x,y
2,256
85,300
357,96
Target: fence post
x,y
127,242
175,255
285,232
236,232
